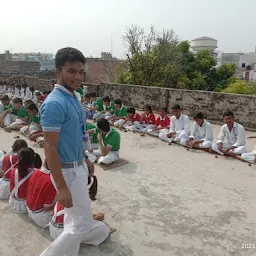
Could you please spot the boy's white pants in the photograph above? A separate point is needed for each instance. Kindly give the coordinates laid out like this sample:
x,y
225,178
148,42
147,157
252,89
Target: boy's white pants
x,y
15,124
237,151
180,137
4,189
157,133
128,125
29,129
78,220
204,144
138,127
249,157
42,218
111,157
9,118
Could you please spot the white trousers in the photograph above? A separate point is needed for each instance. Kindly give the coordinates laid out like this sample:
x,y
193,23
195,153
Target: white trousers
x,y
29,129
180,137
111,157
41,219
15,124
204,144
4,189
18,205
9,118
55,231
78,220
249,157
138,127
237,151
157,132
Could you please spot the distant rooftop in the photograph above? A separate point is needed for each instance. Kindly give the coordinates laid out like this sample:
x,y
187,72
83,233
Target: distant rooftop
x,y
204,38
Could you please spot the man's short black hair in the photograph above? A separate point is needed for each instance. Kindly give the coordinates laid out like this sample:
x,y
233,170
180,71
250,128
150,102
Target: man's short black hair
x,y
38,93
131,110
5,97
106,98
148,107
93,94
228,113
32,106
68,54
176,106
199,115
118,101
164,109
87,95
103,125
27,102
17,100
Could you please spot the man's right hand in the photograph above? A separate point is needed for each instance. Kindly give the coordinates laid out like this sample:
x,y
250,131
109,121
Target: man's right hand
x,y
64,196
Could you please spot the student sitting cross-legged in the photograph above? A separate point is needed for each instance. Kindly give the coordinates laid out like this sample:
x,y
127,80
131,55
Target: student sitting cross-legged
x,y
109,143
147,120
92,131
8,163
5,120
40,196
231,140
107,111
28,160
35,125
119,113
202,133
162,124
128,122
95,106
17,115
179,129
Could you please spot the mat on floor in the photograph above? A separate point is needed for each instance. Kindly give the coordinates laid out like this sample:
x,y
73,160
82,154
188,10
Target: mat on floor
x,y
116,164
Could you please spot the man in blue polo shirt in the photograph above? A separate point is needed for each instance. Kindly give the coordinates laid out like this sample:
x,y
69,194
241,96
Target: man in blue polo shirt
x,y
63,124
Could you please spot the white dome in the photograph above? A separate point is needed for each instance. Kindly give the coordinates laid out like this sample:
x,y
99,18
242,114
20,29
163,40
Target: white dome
x,y
204,42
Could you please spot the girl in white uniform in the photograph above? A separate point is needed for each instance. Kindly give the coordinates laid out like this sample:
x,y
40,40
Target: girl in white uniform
x,y
10,162
19,178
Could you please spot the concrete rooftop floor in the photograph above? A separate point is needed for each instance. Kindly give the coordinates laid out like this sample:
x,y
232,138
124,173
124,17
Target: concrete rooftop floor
x,y
165,202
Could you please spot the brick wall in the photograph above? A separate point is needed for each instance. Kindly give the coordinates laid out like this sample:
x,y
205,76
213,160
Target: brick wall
x,y
210,103
98,71
19,66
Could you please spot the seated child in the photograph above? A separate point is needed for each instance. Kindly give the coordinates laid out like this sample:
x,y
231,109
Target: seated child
x,y
147,120
202,133
231,140
10,162
35,125
17,91
19,178
5,105
128,122
95,107
108,109
92,131
40,196
109,143
119,113
17,115
179,128
162,124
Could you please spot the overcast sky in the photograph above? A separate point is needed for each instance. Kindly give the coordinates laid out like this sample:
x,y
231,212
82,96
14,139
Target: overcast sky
x,y
47,25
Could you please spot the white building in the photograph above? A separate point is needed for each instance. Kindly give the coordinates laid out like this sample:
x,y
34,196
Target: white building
x,y
204,42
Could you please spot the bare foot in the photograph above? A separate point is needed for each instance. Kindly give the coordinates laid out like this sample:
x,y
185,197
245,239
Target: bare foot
x,y
99,216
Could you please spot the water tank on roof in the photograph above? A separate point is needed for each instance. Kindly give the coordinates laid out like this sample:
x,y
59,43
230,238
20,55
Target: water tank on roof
x,y
204,42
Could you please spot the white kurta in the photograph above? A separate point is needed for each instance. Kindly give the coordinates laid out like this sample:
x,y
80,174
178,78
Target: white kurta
x,y
182,128
235,137
202,133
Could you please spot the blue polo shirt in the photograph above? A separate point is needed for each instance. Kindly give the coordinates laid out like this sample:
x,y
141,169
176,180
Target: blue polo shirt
x,y
62,112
